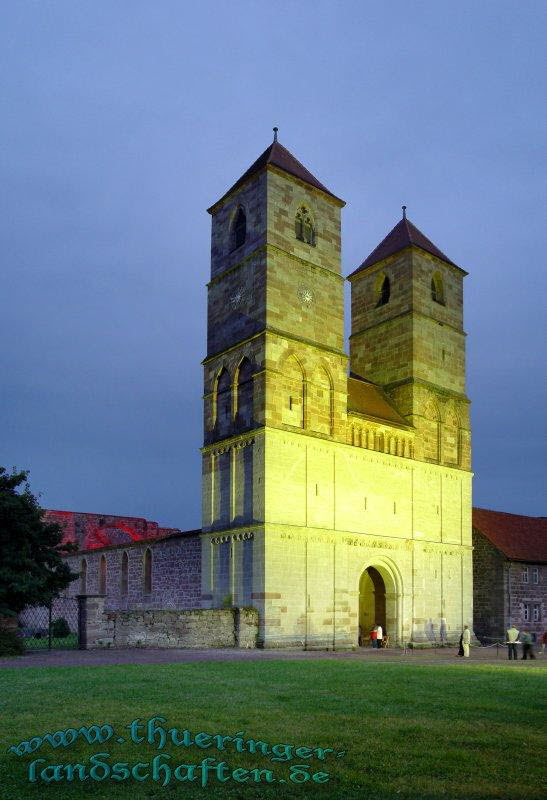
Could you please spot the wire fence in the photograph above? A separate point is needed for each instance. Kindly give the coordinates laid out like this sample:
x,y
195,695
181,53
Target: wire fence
x,y
53,627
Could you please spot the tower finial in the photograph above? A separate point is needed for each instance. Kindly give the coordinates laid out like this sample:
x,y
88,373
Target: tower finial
x,y
404,212
275,134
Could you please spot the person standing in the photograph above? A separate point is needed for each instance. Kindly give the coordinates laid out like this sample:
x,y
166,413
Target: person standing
x,y
466,640
373,636
379,635
527,649
543,642
512,639
460,649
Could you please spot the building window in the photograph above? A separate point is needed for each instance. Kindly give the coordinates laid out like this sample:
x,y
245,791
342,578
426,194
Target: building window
x,y
384,292
102,575
303,226
124,574
223,401
437,289
535,574
83,577
147,571
239,231
245,393
525,573
536,616
526,614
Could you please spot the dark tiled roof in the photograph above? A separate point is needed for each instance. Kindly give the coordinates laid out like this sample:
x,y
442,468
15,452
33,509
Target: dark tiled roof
x,y
366,398
278,156
401,236
519,538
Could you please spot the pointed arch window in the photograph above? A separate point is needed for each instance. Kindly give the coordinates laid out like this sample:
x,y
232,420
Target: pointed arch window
x,y
437,289
239,232
124,574
147,571
102,575
384,292
303,226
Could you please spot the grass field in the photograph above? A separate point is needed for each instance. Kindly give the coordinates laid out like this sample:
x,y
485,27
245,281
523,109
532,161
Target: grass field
x,y
419,732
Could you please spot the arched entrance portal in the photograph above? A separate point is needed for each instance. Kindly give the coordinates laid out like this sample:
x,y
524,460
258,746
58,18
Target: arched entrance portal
x,y
380,598
372,603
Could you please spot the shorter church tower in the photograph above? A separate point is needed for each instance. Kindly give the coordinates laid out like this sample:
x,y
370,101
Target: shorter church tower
x,y
407,336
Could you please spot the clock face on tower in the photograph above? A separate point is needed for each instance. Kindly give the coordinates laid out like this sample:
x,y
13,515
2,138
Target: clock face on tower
x,y
306,295
238,297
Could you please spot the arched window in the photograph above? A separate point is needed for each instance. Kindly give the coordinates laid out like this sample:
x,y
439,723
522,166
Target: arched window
x,y
124,574
83,577
384,291
245,393
224,402
102,575
293,412
303,226
239,231
147,571
437,289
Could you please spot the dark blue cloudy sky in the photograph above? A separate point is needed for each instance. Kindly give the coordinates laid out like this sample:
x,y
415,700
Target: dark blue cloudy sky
x,y
122,121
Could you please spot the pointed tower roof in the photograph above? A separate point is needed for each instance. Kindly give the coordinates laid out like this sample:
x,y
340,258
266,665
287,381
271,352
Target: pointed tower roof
x,y
278,156
403,235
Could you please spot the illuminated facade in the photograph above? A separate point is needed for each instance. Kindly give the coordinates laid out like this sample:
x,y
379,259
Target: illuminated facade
x,y
335,494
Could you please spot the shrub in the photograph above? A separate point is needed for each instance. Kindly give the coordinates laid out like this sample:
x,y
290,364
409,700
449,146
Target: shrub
x,y
11,643
60,628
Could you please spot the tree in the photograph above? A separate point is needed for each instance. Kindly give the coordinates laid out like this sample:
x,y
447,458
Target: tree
x,y
32,570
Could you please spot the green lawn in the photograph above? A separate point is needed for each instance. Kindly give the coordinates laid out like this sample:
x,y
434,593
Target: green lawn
x,y
415,732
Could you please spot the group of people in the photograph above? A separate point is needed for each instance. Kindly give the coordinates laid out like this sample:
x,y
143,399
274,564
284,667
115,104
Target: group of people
x,y
376,636
526,641
512,640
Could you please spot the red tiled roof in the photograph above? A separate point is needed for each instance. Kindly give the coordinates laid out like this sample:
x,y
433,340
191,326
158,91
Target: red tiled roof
x,y
519,538
366,398
278,156
401,236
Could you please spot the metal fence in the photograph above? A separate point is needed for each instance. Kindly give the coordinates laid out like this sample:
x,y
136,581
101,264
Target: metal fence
x,y
53,627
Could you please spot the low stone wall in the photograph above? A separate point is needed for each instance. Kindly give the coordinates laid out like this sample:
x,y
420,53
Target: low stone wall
x,y
199,628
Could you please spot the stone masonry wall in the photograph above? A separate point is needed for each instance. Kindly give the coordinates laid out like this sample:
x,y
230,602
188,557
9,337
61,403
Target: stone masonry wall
x,y
176,574
488,588
225,627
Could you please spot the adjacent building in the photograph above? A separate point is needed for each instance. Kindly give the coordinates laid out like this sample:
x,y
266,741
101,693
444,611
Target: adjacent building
x,y
509,573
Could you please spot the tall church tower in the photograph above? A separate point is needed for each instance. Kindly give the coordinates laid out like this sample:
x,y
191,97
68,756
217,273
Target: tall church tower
x,y
275,363
407,336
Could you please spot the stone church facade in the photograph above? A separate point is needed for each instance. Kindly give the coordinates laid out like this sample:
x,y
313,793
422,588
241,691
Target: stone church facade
x,y
336,488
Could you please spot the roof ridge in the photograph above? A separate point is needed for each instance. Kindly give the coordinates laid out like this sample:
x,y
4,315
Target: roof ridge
x,y
507,513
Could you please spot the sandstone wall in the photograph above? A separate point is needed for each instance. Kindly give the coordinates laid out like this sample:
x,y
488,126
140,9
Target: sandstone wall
x,y
198,628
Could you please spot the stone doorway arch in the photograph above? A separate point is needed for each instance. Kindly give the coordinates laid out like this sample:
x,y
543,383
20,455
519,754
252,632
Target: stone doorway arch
x,y
380,600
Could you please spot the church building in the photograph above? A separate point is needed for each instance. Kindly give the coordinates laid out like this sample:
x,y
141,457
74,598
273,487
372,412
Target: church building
x,y
336,489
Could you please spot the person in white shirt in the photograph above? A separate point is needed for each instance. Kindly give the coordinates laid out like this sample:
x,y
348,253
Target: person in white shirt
x,y
379,635
466,640
512,639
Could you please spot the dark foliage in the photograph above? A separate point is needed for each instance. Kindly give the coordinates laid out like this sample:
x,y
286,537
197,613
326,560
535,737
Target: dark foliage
x,y
32,570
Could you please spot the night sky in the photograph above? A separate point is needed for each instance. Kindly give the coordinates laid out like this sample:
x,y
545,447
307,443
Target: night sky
x,y
123,121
